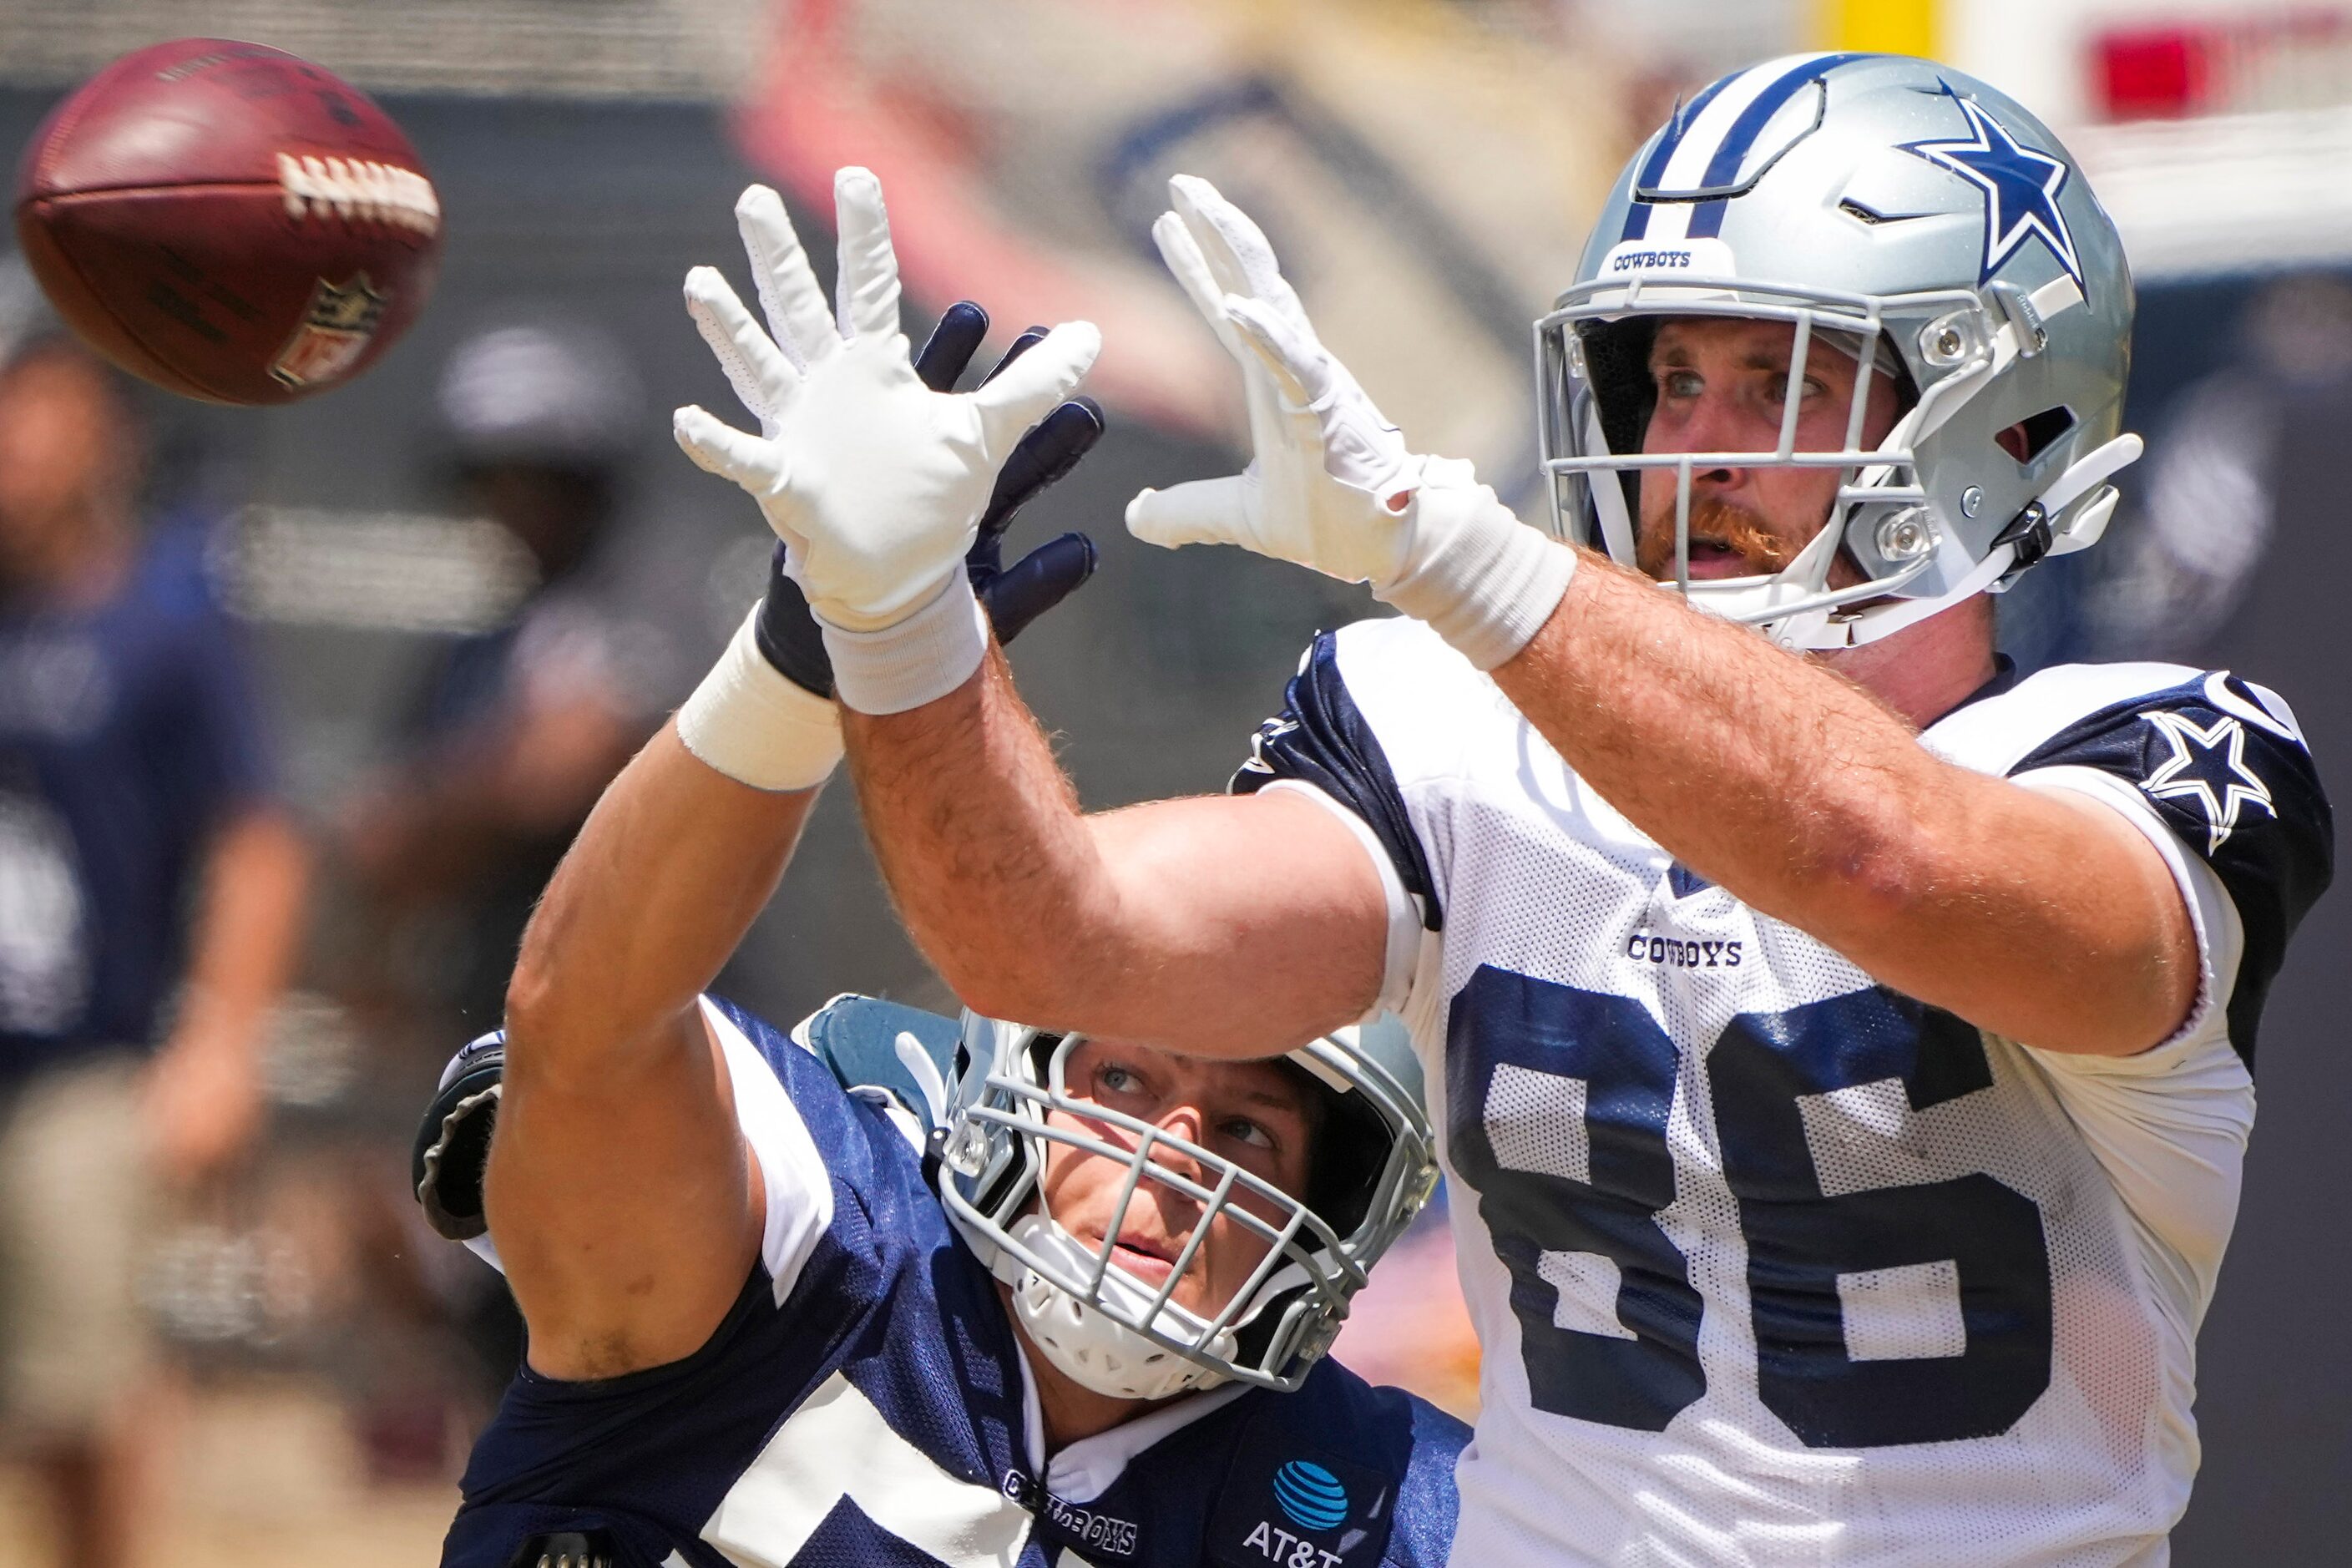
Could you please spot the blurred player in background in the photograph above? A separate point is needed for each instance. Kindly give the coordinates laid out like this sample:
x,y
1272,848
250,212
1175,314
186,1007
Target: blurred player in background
x,y
984,1320
150,895
1844,1043
536,423
522,725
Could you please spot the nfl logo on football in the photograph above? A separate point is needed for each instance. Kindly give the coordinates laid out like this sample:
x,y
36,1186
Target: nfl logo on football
x,y
335,330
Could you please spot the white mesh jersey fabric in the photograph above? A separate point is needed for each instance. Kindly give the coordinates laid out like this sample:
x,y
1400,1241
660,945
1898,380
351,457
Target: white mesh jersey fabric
x,y
1771,1266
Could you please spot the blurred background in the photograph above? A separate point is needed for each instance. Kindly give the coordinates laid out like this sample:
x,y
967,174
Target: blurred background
x,y
435,610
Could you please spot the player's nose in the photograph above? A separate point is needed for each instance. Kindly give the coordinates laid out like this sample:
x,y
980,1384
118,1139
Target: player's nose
x,y
1187,1122
1716,425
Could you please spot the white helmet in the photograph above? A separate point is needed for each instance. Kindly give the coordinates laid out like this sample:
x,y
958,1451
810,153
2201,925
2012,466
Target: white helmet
x,y
1914,220
1373,1166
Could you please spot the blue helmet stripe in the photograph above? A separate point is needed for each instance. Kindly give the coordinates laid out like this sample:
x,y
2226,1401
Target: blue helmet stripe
x,y
1707,222
1637,216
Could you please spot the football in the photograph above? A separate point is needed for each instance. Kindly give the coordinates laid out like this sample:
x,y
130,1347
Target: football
x,y
228,222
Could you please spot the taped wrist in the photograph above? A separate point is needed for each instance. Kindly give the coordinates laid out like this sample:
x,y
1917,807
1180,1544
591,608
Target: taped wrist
x,y
1481,579
750,721
920,659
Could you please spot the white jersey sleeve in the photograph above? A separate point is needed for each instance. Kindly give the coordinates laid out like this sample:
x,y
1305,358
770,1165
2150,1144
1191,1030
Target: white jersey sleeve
x,y
2215,774
1372,759
799,1190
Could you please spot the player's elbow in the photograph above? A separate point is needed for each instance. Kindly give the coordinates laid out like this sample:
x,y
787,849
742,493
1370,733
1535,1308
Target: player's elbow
x,y
532,1002
1874,868
554,1021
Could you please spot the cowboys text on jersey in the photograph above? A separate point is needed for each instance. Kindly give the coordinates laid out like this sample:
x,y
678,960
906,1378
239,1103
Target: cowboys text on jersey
x,y
1729,1209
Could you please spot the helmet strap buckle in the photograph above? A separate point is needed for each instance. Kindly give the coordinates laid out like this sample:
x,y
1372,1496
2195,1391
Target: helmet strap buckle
x,y
2029,531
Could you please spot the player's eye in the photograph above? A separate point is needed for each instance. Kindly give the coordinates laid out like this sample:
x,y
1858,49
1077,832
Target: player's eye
x,y
1681,382
1113,1079
1241,1130
1776,387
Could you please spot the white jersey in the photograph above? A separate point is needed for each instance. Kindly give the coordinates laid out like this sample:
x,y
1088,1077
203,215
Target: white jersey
x,y
1772,1265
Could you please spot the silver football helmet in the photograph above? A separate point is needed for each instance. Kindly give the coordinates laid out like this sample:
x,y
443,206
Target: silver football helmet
x,y
1373,1163
1914,220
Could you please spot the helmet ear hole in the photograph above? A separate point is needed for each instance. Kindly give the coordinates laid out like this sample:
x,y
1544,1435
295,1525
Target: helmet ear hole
x,y
2033,434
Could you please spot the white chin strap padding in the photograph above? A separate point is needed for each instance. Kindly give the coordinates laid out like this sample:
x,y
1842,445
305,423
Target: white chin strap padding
x,y
1095,1350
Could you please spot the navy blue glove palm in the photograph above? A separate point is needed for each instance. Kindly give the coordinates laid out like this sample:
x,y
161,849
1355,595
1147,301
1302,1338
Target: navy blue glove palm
x,y
1013,595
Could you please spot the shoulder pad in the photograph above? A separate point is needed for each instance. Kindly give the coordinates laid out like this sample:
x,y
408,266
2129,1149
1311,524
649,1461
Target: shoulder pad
x,y
860,1040
453,1140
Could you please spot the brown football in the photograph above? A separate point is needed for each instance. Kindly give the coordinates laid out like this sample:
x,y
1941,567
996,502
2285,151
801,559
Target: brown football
x,y
229,221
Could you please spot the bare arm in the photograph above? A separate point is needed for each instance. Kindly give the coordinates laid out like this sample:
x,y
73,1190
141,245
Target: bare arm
x,y
1238,926
2032,914
1225,926
205,1091
624,1200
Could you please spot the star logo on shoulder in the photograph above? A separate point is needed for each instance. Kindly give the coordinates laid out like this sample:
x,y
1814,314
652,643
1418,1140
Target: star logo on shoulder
x,y
2019,184
2207,766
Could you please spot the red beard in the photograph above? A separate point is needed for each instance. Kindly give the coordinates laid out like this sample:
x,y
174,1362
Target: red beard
x,y
1713,521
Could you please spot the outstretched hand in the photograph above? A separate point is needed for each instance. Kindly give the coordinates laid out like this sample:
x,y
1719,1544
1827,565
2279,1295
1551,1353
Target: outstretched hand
x,y
874,483
1329,478
1013,595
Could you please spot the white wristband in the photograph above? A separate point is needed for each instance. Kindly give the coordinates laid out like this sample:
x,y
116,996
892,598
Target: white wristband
x,y
915,661
1481,579
748,722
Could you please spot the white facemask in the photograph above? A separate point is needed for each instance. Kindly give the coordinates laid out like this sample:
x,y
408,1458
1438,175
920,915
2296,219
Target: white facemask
x,y
1095,1350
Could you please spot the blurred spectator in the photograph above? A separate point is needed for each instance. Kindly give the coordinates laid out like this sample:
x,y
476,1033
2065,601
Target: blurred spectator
x,y
141,852
2181,568
519,727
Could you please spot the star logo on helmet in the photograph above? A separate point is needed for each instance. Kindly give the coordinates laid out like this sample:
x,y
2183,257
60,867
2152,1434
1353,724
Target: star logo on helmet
x,y
2019,184
2208,767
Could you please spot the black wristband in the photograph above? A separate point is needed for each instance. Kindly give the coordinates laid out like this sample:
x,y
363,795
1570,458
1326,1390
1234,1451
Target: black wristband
x,y
788,635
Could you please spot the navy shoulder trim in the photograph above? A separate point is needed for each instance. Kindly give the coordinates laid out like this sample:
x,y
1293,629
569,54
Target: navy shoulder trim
x,y
1321,738
2224,766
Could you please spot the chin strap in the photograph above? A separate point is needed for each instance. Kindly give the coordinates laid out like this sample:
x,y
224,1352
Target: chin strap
x,y
2028,539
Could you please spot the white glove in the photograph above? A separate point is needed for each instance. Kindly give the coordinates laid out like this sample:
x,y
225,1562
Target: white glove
x,y
874,481
1330,484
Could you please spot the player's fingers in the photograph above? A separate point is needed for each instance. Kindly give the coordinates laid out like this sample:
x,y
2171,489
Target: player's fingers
x,y
1021,345
719,448
1290,354
1041,378
1045,457
1190,270
1201,511
1239,254
947,353
868,281
762,378
1036,583
789,293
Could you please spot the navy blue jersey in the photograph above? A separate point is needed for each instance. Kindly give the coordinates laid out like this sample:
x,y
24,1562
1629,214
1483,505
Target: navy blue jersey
x,y
128,734
863,1403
